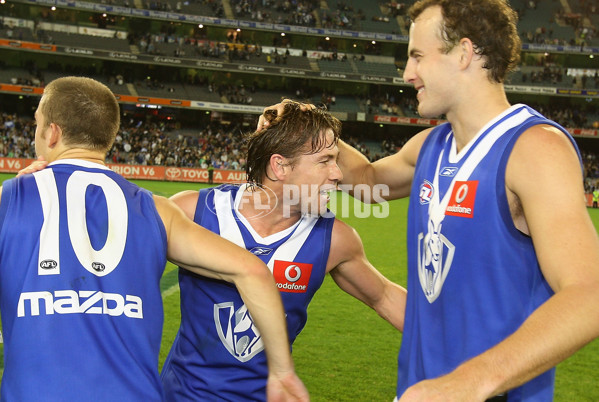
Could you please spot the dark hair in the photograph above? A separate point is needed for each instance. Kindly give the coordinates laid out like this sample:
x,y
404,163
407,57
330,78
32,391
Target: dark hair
x,y
489,24
85,109
296,132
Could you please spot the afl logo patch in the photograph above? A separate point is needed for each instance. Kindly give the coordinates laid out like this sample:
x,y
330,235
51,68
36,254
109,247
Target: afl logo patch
x,y
426,192
48,264
98,266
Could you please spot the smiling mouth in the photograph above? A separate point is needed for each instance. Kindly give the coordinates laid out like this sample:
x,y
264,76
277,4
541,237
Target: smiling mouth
x,y
326,192
328,189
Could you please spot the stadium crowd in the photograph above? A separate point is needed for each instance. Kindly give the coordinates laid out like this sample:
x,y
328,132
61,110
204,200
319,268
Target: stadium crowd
x,y
151,143
567,115
217,145
143,143
291,12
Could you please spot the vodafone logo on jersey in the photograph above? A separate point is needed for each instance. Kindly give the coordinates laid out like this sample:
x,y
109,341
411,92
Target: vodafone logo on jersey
x,y
292,277
462,199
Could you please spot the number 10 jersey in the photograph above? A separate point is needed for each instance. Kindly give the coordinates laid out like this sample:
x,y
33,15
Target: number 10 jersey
x,y
82,251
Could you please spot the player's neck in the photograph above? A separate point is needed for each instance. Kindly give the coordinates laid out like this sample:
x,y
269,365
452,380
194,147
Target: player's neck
x,y
470,117
265,212
270,224
81,154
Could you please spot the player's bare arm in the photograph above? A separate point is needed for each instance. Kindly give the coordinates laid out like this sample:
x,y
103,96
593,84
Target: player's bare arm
x,y
395,171
352,272
205,253
568,250
567,247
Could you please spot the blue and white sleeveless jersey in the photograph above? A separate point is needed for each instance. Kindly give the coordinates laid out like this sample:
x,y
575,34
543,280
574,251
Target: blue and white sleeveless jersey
x,y
473,278
218,353
82,251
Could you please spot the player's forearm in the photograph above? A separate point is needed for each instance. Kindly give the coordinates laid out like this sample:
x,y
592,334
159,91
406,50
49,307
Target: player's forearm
x,y
263,300
556,330
392,306
355,167
388,178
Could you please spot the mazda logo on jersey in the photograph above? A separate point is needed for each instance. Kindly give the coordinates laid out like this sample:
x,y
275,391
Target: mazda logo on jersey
x,y
462,199
292,276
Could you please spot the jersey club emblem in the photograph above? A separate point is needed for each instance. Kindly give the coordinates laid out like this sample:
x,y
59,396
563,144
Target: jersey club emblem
x,y
237,331
435,255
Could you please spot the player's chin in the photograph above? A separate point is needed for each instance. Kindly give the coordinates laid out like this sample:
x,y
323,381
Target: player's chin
x,y
428,111
320,211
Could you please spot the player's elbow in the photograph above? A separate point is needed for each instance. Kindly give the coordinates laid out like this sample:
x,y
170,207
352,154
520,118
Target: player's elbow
x,y
253,268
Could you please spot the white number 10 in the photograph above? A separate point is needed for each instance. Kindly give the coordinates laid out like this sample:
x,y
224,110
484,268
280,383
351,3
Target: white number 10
x,y
99,262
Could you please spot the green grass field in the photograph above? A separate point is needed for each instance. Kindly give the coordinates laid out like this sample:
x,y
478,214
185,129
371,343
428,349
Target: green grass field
x,y
346,352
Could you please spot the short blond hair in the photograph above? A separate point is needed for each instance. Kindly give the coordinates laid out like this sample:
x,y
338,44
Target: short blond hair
x,y
86,110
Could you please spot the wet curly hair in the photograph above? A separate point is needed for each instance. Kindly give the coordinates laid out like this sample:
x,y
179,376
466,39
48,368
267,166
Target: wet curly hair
x,y
294,133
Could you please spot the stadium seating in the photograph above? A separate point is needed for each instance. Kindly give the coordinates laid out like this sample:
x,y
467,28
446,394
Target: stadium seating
x,y
546,18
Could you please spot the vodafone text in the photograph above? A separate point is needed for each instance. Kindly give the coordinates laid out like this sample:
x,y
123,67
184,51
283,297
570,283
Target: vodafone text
x,y
291,286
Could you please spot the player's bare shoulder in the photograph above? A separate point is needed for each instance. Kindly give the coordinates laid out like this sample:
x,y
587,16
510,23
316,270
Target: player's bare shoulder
x,y
543,159
187,201
164,207
345,244
541,149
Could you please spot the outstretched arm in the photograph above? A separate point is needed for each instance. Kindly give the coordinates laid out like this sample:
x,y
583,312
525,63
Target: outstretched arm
x,y
352,272
395,172
205,253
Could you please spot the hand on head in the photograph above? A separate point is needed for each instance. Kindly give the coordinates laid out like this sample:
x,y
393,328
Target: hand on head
x,y
272,113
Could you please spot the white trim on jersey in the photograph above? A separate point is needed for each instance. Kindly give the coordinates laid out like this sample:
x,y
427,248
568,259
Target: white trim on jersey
x,y
79,162
49,249
229,229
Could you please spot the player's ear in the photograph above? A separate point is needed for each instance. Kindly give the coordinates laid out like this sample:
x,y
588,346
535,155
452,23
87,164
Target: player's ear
x,y
466,48
279,165
54,136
